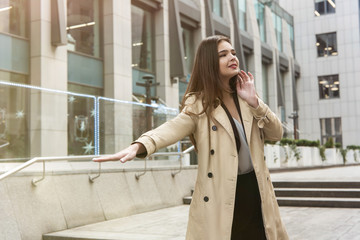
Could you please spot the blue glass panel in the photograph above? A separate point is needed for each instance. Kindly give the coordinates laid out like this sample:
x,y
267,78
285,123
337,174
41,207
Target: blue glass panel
x,y
85,70
137,76
14,54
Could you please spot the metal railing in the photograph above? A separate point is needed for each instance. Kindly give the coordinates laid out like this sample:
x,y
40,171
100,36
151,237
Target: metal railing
x,y
88,157
180,154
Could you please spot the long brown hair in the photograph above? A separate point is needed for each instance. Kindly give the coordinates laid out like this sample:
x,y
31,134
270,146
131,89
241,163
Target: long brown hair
x,y
205,79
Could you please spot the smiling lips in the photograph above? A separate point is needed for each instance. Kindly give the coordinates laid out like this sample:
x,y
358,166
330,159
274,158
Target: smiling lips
x,y
233,66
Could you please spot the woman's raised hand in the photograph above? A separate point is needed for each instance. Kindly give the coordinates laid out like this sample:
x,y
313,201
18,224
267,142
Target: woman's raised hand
x,y
245,88
124,155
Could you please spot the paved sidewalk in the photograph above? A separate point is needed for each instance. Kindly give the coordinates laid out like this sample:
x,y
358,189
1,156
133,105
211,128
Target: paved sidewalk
x,y
302,223
170,224
346,173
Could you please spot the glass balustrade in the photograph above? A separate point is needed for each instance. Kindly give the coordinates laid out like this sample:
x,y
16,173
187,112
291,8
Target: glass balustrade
x,y
38,122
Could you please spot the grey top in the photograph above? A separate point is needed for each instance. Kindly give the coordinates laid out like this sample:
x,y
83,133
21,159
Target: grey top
x,y
245,163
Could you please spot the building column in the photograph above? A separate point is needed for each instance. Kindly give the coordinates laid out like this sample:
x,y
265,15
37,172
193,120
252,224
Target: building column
x,y
272,69
116,118
255,61
48,63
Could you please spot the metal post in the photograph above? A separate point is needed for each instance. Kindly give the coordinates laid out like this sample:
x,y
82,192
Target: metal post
x,y
148,84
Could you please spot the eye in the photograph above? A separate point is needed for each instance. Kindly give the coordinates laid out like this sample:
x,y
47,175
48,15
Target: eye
x,y
233,53
222,55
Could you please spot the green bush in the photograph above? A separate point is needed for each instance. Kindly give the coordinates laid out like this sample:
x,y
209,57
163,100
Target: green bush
x,y
270,142
287,141
329,143
338,145
307,143
353,147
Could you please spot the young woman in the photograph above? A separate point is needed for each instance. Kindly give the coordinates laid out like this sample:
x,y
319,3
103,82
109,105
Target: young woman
x,y
227,123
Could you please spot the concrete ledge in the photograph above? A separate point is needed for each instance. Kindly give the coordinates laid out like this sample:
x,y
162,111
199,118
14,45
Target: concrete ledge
x,y
68,200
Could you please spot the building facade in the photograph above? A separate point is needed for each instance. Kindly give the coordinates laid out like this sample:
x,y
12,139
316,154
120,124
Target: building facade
x,y
108,48
328,50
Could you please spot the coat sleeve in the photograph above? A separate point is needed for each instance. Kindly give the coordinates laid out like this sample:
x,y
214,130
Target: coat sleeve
x,y
168,133
267,121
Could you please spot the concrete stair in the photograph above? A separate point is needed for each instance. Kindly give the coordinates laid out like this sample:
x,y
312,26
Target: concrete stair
x,y
333,194
336,194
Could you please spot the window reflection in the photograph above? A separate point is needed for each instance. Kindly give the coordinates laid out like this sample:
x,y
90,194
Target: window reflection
x,y
241,13
260,16
329,86
142,34
14,122
278,28
83,26
217,7
331,128
13,17
326,44
187,37
324,7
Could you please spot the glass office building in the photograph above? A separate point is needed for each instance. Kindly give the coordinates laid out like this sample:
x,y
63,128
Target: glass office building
x,y
108,50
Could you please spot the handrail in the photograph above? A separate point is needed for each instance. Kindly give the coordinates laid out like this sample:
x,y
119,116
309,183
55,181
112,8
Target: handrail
x,y
86,157
180,154
4,145
43,159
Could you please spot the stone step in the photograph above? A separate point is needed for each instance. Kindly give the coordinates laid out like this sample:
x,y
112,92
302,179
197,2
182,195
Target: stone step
x,y
319,202
316,184
318,192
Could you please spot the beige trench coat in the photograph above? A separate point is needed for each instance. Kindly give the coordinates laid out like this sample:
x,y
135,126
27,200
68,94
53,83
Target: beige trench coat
x,y
212,206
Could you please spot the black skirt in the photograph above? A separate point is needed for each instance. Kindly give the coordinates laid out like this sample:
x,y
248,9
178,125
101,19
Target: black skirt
x,y
247,221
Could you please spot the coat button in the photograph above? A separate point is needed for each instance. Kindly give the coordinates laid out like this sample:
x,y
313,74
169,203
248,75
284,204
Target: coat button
x,y
212,151
206,198
210,175
214,128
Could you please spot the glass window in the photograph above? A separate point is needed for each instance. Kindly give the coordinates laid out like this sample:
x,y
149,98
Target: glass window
x,y
142,39
324,7
265,84
240,6
81,120
326,44
189,51
13,16
329,86
260,16
291,33
187,37
331,127
14,122
278,28
217,7
83,26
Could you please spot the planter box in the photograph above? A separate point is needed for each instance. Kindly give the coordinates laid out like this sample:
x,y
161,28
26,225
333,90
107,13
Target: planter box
x,y
352,156
330,154
315,157
287,157
272,156
305,156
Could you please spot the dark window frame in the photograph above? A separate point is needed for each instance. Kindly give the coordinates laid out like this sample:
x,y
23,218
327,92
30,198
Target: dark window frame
x,y
331,127
326,44
324,7
329,86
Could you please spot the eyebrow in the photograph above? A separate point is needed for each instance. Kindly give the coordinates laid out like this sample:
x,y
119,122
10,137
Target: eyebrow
x,y
225,50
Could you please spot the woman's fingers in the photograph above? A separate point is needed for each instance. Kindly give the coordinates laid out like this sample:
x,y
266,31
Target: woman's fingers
x,y
114,157
246,76
251,76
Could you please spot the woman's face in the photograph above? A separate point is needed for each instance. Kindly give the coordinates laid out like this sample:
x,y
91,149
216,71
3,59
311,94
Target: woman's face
x,y
228,62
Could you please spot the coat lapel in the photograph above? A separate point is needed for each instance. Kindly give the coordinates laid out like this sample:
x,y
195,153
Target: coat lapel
x,y
221,117
247,118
